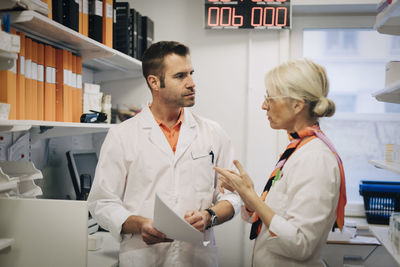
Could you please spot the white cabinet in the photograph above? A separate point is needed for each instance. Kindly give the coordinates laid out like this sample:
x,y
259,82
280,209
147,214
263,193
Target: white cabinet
x,y
388,22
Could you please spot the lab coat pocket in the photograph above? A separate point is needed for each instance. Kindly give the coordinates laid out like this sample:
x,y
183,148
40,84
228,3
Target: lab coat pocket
x,y
206,256
202,169
138,257
278,202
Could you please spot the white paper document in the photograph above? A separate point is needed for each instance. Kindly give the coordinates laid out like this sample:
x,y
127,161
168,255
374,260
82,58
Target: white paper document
x,y
175,227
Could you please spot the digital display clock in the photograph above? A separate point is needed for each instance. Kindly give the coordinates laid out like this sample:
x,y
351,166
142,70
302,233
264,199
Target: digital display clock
x,y
248,14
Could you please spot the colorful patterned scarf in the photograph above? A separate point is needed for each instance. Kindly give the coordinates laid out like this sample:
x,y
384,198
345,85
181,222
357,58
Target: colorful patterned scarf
x,y
296,141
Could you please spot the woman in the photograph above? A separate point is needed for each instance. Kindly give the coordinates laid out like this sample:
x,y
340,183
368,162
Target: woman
x,y
306,191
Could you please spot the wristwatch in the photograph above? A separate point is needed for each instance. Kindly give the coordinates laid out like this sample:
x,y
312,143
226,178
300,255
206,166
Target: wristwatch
x,y
214,218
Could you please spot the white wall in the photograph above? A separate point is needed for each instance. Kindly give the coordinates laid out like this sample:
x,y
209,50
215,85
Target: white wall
x,y
229,71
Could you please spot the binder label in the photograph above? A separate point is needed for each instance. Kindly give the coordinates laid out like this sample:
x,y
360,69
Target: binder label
x,y
79,81
22,65
14,68
65,77
49,75
53,75
69,77
98,8
85,7
73,80
34,71
28,68
109,11
40,73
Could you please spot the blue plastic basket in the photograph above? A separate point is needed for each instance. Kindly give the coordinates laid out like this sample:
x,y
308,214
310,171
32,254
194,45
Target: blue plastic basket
x,y
381,199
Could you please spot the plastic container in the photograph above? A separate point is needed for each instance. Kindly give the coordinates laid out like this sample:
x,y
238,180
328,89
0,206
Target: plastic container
x,y
381,199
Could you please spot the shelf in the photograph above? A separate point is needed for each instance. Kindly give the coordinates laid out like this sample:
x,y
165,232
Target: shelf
x,y
391,166
27,4
50,129
109,64
5,243
8,186
388,21
389,94
381,233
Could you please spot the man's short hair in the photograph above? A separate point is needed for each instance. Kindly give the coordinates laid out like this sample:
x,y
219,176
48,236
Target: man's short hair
x,y
153,58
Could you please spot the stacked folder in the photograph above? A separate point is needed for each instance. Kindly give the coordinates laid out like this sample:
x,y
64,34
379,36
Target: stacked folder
x,y
134,33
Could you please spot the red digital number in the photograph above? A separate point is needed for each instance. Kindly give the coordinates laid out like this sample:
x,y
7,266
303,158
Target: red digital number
x,y
235,17
210,15
281,10
224,16
227,16
269,17
253,15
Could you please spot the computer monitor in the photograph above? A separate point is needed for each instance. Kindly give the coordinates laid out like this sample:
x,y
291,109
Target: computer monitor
x,y
82,166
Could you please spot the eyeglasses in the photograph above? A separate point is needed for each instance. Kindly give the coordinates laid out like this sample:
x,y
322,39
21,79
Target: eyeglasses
x,y
267,99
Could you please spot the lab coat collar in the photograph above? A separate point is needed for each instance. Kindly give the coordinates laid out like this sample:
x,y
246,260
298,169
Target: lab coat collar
x,y
186,135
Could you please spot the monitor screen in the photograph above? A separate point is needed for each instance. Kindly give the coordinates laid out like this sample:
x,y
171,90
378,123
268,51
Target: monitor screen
x,y
82,166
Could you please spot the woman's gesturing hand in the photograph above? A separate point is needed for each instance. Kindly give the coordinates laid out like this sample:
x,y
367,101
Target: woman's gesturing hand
x,y
240,182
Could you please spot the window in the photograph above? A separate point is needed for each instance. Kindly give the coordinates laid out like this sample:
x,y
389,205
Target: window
x,y
355,61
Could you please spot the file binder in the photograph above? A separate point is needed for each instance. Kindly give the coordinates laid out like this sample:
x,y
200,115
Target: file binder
x,y
61,85
139,43
147,32
133,34
40,83
108,22
69,87
80,4
57,10
73,86
71,14
48,59
122,27
66,12
53,84
114,24
21,79
79,105
28,79
85,17
34,90
96,20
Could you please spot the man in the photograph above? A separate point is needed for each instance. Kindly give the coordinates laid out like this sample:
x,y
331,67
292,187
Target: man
x,y
169,150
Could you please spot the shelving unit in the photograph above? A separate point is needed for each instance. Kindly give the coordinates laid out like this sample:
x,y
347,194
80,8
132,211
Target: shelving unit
x,y
49,129
5,243
389,94
391,166
108,64
388,21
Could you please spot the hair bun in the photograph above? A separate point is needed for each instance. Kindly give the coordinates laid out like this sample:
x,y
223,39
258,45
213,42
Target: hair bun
x,y
324,107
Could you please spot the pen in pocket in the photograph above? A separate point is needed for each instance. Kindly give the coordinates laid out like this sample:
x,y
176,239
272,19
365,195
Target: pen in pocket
x,y
212,156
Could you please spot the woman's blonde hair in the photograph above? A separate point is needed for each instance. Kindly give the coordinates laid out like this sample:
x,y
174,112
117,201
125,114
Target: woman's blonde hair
x,y
302,79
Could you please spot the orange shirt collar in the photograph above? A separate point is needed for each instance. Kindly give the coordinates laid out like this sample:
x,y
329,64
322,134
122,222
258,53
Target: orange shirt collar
x,y
178,122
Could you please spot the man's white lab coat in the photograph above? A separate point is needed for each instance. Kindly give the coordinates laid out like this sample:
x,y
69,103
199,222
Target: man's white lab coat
x,y
136,161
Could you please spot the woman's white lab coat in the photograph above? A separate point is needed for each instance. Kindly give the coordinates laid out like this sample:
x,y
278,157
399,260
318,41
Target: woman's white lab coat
x,y
136,161
304,199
